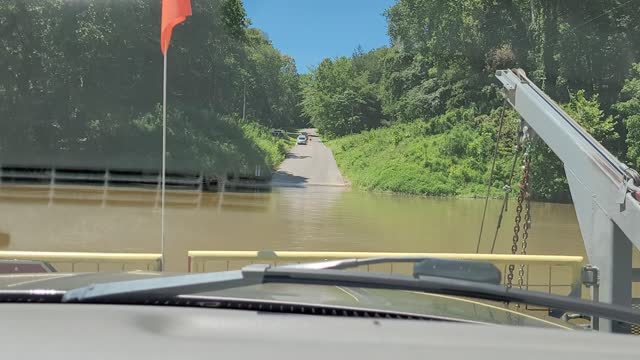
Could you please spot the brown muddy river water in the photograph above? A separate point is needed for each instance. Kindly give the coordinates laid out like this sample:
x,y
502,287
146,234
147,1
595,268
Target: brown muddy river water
x,y
312,218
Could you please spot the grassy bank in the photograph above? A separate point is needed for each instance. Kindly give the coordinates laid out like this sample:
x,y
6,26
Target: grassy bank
x,y
406,158
217,145
451,154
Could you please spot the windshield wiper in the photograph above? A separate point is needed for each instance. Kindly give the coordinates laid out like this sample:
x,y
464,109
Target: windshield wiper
x,y
352,263
165,288
479,271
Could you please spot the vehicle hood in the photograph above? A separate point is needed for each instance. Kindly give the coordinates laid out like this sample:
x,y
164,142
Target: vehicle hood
x,y
409,302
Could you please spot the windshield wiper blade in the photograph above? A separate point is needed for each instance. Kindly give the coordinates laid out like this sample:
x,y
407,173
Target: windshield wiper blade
x,y
353,263
165,288
452,287
479,271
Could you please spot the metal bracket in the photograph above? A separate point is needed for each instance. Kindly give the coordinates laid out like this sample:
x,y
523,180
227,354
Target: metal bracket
x,y
254,273
622,193
509,85
590,276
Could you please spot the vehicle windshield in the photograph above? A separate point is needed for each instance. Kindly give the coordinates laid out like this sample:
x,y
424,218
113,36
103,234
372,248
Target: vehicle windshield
x,y
284,132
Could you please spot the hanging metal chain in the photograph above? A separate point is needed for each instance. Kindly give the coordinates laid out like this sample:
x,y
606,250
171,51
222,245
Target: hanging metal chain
x,y
523,197
526,195
516,238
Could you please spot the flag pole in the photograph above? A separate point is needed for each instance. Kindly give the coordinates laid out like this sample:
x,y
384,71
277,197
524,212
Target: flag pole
x,y
164,160
173,13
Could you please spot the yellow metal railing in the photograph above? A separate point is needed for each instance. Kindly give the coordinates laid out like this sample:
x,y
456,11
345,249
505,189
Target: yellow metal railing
x,y
89,261
549,273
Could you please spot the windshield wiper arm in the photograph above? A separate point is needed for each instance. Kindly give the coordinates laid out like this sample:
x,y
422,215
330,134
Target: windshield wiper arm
x,y
165,286
170,287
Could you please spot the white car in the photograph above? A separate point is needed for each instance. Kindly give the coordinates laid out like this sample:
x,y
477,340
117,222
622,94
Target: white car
x,y
302,140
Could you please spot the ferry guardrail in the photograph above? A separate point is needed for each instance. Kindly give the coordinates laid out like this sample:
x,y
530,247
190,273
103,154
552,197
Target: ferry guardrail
x,y
550,273
89,261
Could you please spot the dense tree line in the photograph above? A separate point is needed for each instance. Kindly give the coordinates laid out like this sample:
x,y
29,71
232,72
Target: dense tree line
x,y
443,54
82,85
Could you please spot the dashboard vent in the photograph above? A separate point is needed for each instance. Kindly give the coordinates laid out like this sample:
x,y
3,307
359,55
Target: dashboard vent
x,y
228,303
302,309
28,296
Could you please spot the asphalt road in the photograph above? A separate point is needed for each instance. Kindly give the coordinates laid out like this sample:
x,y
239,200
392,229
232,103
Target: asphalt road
x,y
311,164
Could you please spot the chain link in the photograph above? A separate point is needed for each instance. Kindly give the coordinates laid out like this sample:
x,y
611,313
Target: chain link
x,y
523,203
516,238
524,190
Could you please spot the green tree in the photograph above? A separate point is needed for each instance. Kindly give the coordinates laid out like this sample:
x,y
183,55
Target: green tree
x,y
84,80
338,100
272,83
629,109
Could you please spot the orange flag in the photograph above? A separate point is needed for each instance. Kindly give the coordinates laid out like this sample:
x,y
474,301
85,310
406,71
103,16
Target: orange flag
x,y
173,13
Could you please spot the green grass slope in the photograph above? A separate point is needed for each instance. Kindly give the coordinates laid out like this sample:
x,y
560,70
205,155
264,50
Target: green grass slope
x,y
406,158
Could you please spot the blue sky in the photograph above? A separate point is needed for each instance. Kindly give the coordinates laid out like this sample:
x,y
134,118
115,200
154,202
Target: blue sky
x,y
311,30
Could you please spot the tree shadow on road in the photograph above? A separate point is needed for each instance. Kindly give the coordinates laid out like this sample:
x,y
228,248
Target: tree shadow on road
x,y
284,179
294,156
